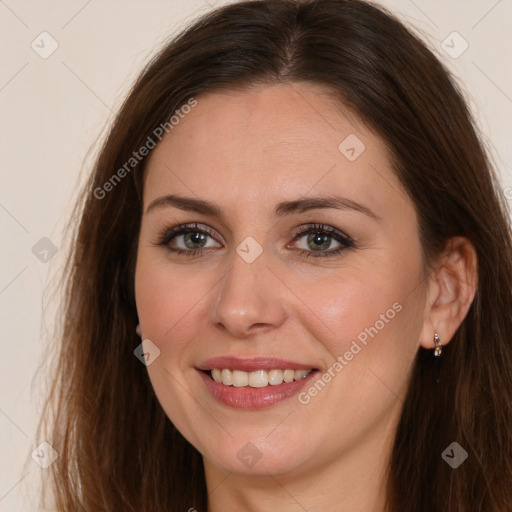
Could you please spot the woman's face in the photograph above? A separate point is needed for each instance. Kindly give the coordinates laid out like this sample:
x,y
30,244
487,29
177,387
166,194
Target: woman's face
x,y
250,173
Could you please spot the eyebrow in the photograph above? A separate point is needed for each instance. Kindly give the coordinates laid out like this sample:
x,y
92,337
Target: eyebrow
x,y
282,209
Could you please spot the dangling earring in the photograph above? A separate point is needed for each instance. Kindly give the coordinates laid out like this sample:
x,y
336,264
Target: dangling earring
x,y
138,330
439,347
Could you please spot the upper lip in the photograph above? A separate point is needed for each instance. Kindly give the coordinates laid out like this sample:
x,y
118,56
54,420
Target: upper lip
x,y
252,364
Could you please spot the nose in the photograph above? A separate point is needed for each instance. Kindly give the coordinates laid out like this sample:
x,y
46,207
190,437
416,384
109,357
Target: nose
x,y
250,299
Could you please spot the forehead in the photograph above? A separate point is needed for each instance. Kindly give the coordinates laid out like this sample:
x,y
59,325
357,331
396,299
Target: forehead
x,y
271,142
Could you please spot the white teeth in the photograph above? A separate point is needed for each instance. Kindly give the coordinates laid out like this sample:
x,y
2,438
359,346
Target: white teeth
x,y
275,377
240,379
288,375
256,379
226,377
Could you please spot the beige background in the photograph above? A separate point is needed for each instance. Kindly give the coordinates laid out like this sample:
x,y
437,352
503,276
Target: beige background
x,y
53,109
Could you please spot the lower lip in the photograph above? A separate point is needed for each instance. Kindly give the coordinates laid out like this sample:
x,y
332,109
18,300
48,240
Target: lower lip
x,y
254,398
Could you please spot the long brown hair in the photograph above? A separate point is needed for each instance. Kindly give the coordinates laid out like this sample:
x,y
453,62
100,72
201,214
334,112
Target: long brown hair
x,y
117,449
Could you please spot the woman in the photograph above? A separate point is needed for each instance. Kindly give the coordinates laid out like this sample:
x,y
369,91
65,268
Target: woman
x,y
290,284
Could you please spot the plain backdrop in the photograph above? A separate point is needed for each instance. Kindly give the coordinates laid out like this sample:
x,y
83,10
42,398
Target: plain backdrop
x,y
54,107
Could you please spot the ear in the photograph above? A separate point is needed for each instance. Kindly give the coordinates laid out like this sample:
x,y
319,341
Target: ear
x,y
451,290
138,330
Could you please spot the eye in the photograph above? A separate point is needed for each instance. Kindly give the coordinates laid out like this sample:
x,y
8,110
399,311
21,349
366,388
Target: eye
x,y
189,239
318,238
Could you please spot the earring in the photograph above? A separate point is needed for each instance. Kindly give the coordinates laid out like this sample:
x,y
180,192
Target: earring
x,y
138,330
439,347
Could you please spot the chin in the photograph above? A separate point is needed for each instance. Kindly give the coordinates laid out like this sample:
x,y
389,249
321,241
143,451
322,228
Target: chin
x,y
260,458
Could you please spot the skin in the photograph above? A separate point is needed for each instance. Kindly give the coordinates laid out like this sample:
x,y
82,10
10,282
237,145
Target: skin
x,y
246,151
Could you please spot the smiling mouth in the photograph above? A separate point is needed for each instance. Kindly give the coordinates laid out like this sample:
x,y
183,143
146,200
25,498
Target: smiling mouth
x,y
256,379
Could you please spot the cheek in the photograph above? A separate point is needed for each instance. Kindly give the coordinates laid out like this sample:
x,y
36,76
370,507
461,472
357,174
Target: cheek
x,y
355,308
370,326
167,300
370,314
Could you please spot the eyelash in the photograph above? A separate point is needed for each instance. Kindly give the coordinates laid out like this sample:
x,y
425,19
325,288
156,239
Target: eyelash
x,y
169,233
